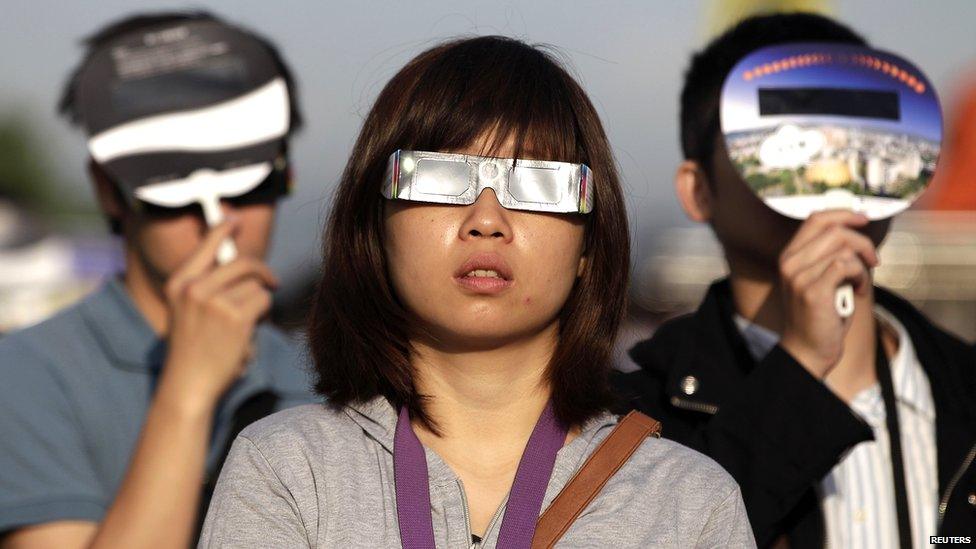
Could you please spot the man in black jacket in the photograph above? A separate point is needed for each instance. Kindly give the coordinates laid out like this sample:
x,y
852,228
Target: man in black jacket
x,y
770,382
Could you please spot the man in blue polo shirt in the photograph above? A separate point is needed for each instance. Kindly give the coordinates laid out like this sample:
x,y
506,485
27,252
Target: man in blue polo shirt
x,y
115,412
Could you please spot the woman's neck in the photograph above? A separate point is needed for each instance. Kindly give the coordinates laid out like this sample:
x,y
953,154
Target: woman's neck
x,y
495,394
486,404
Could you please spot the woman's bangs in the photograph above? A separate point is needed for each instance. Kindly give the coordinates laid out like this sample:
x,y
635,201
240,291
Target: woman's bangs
x,y
516,96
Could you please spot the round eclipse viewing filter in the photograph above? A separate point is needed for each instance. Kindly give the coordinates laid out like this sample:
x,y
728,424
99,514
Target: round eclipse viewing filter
x,y
815,126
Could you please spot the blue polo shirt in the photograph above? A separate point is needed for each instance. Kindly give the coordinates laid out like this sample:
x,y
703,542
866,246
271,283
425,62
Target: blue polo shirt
x,y
74,392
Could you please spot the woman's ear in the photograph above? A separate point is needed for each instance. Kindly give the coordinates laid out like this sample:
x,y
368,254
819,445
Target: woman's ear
x,y
581,267
694,191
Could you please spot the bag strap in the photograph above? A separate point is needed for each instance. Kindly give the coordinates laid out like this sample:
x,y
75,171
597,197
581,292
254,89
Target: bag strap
x,y
602,464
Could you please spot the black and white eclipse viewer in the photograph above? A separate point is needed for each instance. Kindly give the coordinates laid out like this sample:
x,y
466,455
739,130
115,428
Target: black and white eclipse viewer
x,y
187,113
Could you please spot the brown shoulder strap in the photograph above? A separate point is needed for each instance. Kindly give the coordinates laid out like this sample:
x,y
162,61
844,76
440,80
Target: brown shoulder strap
x,y
612,453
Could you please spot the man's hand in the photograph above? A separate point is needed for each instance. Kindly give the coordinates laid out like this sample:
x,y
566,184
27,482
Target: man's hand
x,y
826,253
214,310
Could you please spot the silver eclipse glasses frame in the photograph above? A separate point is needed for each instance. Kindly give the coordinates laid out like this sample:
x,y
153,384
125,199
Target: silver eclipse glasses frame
x,y
459,179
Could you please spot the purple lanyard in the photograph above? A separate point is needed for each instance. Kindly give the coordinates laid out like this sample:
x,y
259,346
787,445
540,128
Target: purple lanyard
x,y
524,499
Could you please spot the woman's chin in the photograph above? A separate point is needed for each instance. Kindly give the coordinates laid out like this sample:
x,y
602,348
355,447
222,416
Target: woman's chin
x,y
480,334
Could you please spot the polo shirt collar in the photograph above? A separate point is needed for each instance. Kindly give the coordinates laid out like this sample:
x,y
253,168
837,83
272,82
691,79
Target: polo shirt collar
x,y
122,332
131,344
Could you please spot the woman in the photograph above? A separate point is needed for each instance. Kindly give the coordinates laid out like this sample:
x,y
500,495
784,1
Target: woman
x,y
465,304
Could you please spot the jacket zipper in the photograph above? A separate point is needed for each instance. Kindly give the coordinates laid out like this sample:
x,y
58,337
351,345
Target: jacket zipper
x,y
944,503
467,517
491,524
678,402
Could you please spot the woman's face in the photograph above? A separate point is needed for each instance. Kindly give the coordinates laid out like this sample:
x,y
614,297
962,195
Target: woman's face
x,y
482,275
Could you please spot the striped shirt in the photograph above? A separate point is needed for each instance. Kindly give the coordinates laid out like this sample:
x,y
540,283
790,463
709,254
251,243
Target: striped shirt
x,y
857,495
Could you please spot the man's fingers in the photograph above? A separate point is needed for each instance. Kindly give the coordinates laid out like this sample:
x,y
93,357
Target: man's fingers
x,y
233,273
809,275
250,298
816,275
846,270
821,221
829,243
243,290
204,257
253,304
819,282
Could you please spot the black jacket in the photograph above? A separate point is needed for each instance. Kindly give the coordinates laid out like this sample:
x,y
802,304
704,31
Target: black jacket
x,y
777,429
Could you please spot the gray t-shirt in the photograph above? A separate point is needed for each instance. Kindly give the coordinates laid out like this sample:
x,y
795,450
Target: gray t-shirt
x,y
74,391
315,477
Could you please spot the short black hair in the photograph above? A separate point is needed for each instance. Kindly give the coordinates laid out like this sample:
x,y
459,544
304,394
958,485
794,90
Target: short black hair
x,y
709,67
67,105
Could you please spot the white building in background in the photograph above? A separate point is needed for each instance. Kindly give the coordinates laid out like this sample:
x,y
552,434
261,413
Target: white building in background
x,y
875,174
854,166
909,167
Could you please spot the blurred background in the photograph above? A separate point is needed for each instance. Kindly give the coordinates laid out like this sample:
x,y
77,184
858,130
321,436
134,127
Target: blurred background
x,y
629,56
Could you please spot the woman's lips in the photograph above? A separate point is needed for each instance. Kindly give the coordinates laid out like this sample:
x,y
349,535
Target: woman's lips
x,y
485,273
484,284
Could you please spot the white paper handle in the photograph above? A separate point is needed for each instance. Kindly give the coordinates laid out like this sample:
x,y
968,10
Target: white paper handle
x,y
844,301
214,216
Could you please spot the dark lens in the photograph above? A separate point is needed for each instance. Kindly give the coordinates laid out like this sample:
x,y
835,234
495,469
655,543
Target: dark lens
x,y
271,189
162,212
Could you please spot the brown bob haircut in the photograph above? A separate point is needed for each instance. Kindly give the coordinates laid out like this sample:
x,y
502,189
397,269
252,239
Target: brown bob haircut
x,y
445,99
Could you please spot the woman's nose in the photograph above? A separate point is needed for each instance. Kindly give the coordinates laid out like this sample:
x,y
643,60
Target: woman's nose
x,y
486,218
